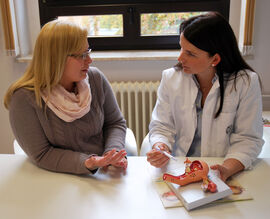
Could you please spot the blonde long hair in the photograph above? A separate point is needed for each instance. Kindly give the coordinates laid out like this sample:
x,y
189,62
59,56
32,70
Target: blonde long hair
x,y
56,40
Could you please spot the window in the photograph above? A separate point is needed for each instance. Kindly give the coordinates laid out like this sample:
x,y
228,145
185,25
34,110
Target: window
x,y
99,25
130,24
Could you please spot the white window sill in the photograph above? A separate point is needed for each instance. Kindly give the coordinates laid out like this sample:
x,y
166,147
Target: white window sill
x,y
125,55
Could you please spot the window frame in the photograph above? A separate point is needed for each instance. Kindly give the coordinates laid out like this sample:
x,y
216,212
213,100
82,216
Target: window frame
x,y
131,10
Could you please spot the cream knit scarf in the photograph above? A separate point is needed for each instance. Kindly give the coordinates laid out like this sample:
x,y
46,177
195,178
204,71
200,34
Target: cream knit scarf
x,y
69,106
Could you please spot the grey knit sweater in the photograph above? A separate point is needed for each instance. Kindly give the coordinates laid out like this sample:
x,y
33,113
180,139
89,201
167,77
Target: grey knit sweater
x,y
60,146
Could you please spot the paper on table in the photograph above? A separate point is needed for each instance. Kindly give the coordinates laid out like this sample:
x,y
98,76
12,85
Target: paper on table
x,y
239,192
166,195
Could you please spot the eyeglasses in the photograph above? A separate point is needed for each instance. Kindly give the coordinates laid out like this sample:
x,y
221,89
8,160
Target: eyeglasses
x,y
82,56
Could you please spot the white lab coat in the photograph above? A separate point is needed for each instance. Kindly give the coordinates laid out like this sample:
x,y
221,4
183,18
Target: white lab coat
x,y
236,133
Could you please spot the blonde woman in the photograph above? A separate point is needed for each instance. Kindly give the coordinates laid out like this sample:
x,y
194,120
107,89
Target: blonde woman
x,y
62,112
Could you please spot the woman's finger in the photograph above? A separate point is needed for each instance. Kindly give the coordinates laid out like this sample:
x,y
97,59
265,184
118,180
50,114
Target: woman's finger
x,y
118,156
154,155
113,156
159,160
122,163
162,163
222,171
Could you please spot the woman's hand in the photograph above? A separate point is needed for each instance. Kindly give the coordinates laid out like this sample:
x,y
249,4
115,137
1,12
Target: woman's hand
x,y
228,168
122,163
110,158
156,157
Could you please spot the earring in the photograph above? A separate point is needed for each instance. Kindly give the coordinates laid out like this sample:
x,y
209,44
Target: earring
x,y
213,65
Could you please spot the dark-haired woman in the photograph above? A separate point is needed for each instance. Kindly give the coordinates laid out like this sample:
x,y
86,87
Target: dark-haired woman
x,y
210,104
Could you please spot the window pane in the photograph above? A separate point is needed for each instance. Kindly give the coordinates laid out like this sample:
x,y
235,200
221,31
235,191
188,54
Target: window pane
x,y
99,25
160,24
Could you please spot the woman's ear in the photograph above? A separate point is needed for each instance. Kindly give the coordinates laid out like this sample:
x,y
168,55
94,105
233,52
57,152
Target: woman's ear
x,y
216,59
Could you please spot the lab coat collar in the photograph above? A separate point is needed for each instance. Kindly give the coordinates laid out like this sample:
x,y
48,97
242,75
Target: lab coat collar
x,y
197,83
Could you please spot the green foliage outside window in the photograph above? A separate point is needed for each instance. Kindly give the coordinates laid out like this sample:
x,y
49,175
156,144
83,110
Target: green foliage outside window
x,y
99,25
163,23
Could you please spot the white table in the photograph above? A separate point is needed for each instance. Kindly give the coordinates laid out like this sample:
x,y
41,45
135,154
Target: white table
x,y
265,153
27,192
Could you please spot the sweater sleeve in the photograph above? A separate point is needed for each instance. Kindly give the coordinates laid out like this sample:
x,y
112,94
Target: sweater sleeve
x,y
28,131
114,127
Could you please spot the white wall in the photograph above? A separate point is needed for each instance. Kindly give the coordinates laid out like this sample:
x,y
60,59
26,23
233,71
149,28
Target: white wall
x,y
261,58
10,70
130,70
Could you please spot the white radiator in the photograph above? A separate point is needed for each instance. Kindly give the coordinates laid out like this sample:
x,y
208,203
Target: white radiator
x,y
136,101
